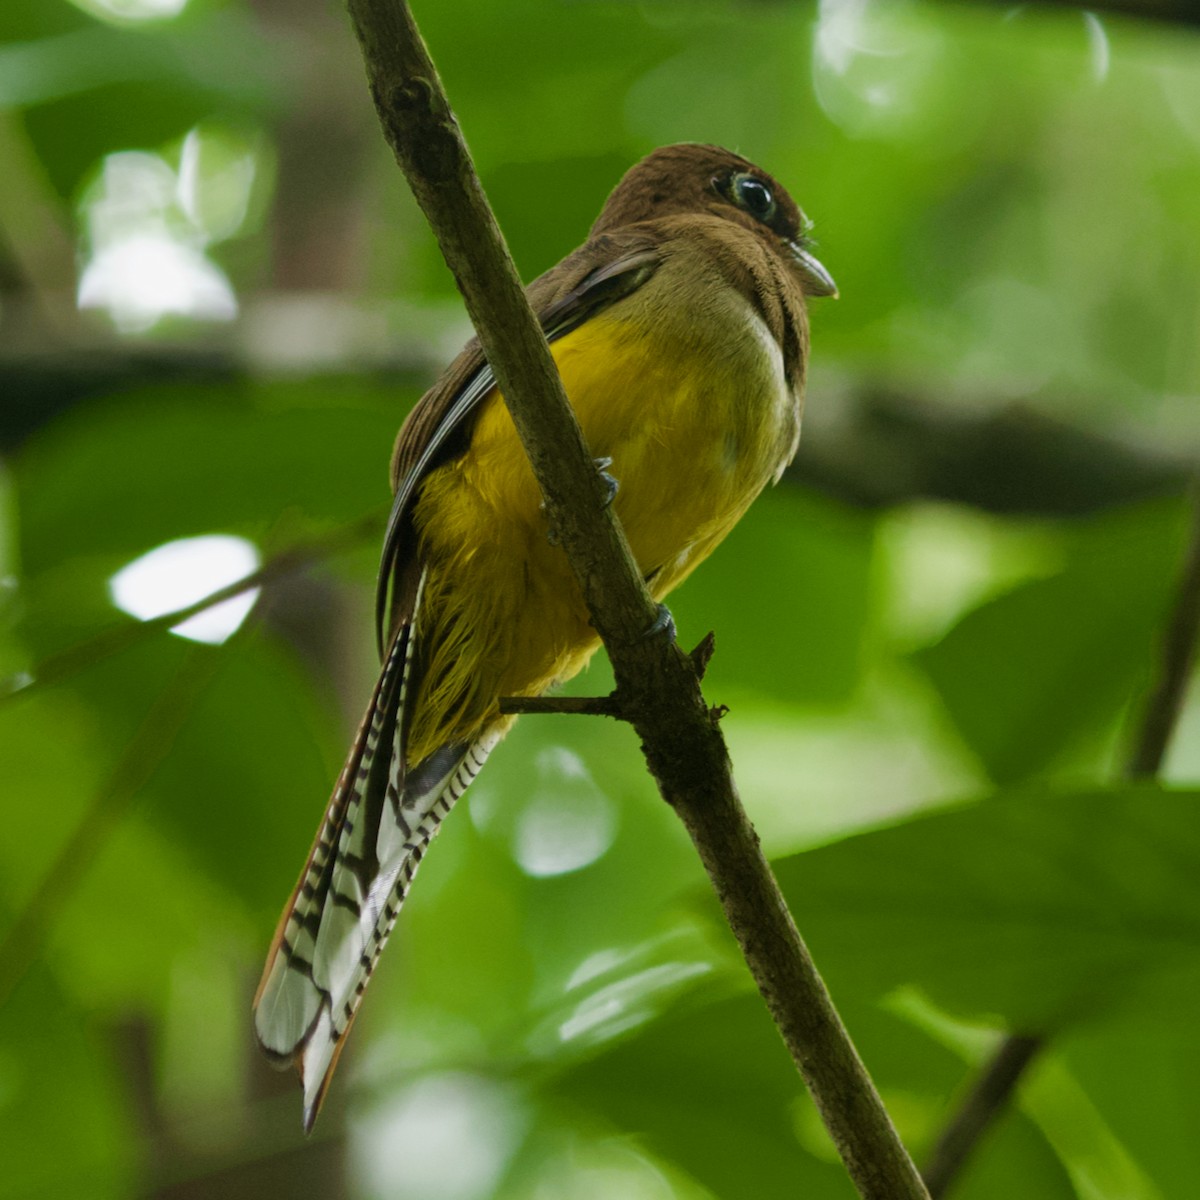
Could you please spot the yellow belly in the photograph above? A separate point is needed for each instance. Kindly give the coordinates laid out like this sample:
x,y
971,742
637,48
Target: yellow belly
x,y
693,439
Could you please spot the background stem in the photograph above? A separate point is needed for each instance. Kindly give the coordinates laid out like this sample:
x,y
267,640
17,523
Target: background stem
x,y
1000,1075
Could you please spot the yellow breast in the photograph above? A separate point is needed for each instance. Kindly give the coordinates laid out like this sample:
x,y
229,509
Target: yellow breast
x,y
695,430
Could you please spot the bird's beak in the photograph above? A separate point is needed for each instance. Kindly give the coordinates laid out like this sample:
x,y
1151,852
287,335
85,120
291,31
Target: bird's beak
x,y
817,280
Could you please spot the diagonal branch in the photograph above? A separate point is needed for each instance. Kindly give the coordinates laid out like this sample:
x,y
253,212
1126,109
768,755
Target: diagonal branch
x,y
657,681
57,667
986,1101
1177,655
137,763
998,1078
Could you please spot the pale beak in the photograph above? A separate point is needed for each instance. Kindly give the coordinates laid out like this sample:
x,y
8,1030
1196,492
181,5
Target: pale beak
x,y
817,280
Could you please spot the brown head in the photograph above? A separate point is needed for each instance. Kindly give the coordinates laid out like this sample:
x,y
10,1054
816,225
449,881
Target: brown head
x,y
695,178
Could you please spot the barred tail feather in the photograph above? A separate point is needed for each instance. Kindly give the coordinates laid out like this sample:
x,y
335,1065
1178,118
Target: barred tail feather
x,y
285,1009
360,913
379,822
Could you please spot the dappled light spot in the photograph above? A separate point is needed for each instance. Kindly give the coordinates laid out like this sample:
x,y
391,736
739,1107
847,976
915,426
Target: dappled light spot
x,y
595,965
179,573
873,66
616,1007
217,172
1098,46
124,11
147,276
149,228
446,1137
603,1170
568,822
940,560
619,988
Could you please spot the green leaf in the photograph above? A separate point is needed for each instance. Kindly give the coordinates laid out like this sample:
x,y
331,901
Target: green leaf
x,y
1029,676
922,1081
1014,1160
248,778
127,901
1044,908
712,1089
1140,1075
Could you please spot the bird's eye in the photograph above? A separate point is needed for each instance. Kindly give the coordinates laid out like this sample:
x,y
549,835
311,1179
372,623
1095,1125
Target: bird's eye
x,y
750,193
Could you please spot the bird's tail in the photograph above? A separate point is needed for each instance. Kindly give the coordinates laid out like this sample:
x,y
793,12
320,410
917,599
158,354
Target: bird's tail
x,y
380,820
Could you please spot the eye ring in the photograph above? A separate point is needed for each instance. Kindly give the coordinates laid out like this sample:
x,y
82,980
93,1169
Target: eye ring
x,y
753,195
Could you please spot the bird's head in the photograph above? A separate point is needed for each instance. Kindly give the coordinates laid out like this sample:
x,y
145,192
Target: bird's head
x,y
696,178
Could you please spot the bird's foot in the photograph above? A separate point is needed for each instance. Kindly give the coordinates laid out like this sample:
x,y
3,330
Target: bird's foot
x,y
611,488
611,485
664,623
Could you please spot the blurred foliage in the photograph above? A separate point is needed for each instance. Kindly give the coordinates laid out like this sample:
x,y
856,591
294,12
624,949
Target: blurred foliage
x,y
930,705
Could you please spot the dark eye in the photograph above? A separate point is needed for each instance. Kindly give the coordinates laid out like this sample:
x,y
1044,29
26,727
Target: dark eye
x,y
750,193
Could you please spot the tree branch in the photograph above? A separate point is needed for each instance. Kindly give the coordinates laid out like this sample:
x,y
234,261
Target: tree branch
x,y
985,1101
586,706
999,1077
656,679
1175,662
612,705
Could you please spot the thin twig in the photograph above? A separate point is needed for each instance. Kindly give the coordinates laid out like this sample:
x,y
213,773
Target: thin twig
x,y
586,706
999,1077
1177,655
982,1105
129,774
56,668
655,678
702,655
612,705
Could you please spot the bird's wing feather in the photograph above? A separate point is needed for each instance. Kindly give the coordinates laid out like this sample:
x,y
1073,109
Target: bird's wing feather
x,y
563,299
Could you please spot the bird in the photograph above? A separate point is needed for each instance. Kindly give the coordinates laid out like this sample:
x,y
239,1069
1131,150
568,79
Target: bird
x,y
680,332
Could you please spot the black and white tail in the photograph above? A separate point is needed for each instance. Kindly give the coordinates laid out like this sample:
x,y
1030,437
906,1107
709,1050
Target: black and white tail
x,y
379,822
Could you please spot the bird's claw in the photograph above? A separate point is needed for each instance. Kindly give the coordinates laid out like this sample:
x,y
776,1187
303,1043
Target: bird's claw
x,y
611,488
664,623
611,485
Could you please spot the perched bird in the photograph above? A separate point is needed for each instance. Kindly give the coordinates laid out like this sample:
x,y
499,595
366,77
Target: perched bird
x,y
680,332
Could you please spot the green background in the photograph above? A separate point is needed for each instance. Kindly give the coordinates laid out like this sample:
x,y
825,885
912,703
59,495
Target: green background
x,y
935,636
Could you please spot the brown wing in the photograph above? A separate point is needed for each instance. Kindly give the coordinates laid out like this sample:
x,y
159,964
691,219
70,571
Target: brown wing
x,y
596,276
